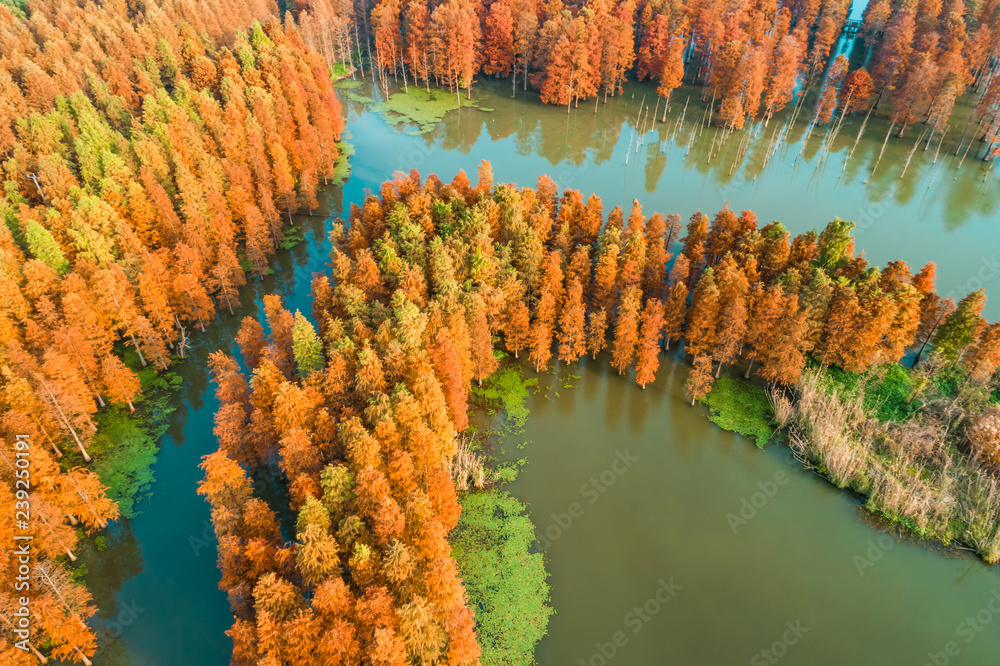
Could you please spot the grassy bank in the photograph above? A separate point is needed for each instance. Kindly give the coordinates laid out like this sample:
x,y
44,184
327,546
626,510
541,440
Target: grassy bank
x,y
896,436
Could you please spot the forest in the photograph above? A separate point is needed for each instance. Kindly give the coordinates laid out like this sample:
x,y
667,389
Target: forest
x,y
150,161
153,155
915,59
361,410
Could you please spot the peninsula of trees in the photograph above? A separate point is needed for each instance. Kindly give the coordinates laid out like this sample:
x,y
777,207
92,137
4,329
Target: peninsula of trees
x,y
359,407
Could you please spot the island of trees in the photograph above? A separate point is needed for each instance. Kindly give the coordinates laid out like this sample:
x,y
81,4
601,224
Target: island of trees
x,y
359,406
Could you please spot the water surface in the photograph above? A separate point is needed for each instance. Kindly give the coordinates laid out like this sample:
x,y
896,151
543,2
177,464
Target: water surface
x,y
766,555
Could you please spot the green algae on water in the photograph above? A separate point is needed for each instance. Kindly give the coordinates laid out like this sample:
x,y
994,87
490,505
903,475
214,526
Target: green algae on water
x,y
740,406
507,389
419,107
360,99
290,237
504,575
341,70
126,444
348,84
342,170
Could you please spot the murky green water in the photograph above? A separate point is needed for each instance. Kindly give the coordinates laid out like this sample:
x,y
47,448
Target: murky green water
x,y
631,489
664,517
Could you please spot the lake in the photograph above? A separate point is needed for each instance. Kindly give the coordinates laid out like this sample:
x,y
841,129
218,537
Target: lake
x,y
795,578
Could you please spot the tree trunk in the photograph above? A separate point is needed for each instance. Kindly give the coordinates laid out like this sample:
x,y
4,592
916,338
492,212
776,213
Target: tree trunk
x,y
406,87
135,344
59,454
38,655
930,335
66,421
97,394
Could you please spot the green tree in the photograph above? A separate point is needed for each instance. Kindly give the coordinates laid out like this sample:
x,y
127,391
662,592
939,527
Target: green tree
x,y
834,243
961,327
306,345
45,248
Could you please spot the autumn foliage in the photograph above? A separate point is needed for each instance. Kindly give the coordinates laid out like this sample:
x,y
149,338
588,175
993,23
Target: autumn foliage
x,y
146,150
